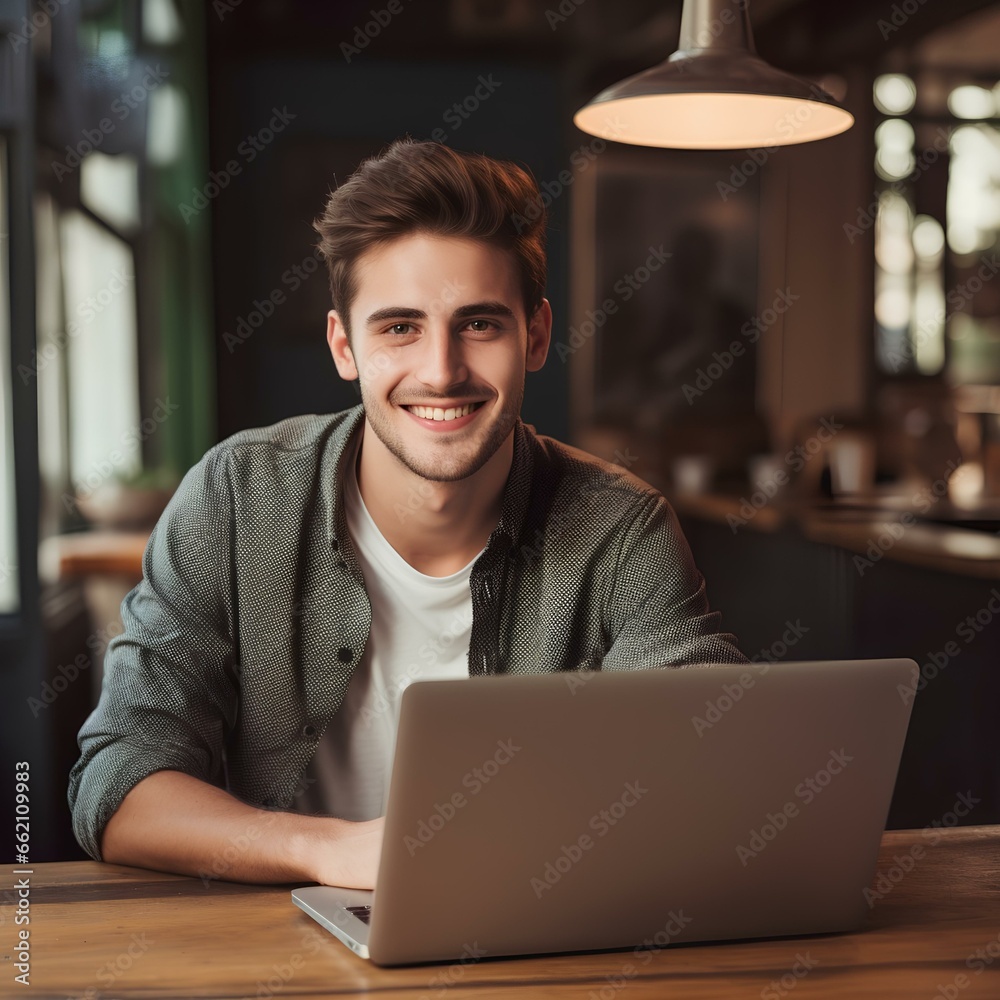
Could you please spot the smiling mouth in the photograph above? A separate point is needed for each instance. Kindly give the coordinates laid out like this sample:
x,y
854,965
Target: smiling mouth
x,y
438,413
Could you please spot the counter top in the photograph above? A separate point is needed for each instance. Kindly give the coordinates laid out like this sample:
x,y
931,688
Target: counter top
x,y
873,529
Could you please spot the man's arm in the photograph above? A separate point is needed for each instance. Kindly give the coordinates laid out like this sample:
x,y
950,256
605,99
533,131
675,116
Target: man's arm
x,y
147,787
657,607
173,822
170,692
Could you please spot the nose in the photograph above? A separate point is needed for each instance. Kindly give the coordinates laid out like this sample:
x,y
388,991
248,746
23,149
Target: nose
x,y
441,363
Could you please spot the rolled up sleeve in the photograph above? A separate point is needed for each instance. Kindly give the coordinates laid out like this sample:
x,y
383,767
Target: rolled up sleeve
x,y
658,610
169,692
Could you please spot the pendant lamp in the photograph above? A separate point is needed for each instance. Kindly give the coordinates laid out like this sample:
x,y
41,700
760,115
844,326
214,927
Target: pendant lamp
x,y
714,92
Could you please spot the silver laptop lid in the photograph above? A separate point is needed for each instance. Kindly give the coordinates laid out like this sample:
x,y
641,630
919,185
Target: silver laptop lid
x,y
577,811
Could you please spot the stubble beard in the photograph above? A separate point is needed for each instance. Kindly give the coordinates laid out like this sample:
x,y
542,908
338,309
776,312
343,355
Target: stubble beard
x,y
457,462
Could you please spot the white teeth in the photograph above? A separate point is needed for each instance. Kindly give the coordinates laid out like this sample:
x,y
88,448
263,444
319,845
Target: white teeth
x,y
436,413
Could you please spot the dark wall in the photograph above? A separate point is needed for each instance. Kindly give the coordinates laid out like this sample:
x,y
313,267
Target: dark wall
x,y
262,218
772,587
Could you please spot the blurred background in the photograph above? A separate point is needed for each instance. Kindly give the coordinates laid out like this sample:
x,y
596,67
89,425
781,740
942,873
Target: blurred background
x,y
799,345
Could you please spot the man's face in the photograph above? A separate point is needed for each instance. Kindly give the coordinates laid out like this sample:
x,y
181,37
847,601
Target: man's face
x,y
438,325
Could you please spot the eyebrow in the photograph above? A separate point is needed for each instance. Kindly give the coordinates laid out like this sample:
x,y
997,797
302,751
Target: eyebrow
x,y
492,308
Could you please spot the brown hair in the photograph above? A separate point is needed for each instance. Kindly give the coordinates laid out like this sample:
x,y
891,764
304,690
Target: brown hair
x,y
426,186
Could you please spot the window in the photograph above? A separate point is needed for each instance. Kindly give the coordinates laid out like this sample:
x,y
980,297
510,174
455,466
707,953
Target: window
x,y
9,596
123,312
937,233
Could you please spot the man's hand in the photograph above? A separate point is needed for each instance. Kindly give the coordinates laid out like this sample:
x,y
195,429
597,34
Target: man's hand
x,y
352,859
173,822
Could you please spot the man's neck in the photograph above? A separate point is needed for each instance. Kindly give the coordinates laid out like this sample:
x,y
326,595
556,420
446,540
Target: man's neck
x,y
437,527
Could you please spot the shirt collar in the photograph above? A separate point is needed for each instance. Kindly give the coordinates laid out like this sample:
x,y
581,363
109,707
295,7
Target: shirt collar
x,y
517,489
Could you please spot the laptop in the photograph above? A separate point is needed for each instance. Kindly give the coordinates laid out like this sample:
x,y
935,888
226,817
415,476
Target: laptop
x,y
591,810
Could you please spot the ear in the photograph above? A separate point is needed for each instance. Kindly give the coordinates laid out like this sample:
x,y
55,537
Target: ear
x,y
539,336
343,356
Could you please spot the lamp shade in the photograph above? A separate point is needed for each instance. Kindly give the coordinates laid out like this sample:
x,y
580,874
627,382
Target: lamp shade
x,y
714,92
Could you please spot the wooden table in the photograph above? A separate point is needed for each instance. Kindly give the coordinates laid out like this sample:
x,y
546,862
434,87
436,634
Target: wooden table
x,y
103,931
86,553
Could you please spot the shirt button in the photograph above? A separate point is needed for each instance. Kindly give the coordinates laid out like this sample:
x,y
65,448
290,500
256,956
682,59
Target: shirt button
x,y
335,544
308,730
345,655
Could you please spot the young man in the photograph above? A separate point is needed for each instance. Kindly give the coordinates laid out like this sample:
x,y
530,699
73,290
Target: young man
x,y
303,573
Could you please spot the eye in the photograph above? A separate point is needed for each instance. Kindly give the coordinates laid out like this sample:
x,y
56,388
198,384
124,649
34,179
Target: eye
x,y
482,325
399,329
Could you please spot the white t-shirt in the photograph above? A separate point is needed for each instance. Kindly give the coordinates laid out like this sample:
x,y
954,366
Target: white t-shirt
x,y
421,627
